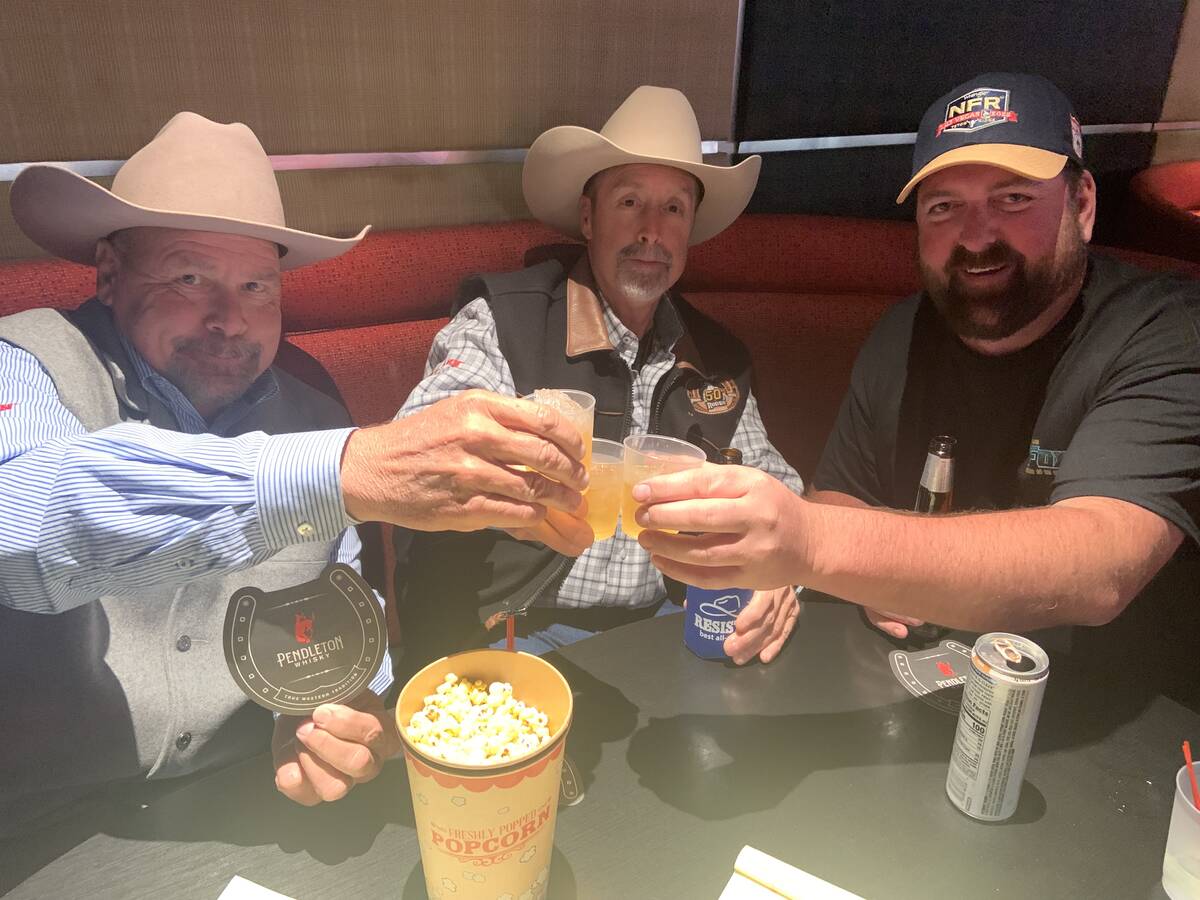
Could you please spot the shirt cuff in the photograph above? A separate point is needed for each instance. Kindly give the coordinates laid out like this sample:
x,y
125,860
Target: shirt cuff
x,y
299,488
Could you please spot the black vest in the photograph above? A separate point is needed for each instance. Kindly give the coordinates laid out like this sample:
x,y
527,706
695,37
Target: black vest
x,y
551,330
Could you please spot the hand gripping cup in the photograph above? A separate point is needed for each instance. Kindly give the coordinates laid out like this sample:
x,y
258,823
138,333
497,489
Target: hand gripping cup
x,y
577,407
488,830
647,455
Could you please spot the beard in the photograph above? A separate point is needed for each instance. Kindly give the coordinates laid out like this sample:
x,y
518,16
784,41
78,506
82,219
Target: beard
x,y
996,312
213,371
641,284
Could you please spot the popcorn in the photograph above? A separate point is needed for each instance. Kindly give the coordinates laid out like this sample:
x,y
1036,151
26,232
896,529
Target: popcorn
x,y
470,722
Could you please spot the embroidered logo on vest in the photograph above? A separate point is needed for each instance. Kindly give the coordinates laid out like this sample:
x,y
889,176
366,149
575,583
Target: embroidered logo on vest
x,y
714,399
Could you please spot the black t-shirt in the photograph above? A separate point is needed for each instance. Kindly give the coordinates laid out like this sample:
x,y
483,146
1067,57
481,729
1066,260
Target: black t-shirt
x,y
1106,404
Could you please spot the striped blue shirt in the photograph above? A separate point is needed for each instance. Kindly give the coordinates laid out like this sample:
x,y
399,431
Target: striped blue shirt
x,y
88,514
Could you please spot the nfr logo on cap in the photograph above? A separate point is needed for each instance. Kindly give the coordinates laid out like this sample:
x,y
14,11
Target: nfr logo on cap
x,y
1021,123
977,109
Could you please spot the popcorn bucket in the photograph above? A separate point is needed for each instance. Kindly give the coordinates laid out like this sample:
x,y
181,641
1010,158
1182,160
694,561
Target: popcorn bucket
x,y
487,831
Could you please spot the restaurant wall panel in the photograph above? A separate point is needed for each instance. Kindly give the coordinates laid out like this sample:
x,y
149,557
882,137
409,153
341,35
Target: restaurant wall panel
x,y
94,80
86,80
1182,103
867,67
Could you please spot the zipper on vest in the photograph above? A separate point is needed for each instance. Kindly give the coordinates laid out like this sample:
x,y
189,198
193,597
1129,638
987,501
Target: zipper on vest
x,y
660,397
627,425
556,578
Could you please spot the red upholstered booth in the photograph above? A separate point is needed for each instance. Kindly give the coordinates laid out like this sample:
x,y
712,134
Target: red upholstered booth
x,y
1166,209
801,291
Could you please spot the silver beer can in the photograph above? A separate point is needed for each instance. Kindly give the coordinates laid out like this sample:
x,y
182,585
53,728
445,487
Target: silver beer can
x,y
1000,705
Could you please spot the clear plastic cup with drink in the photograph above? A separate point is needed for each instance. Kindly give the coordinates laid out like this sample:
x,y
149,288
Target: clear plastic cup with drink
x,y
647,455
1181,862
577,407
604,489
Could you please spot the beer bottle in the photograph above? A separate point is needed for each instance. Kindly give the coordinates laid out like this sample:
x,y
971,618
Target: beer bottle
x,y
936,491
935,495
709,616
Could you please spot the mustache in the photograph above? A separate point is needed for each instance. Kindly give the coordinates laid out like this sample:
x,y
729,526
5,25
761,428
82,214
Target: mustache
x,y
996,254
221,347
646,253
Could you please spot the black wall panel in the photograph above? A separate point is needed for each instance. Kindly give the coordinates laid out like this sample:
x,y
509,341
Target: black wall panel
x,y
848,67
873,66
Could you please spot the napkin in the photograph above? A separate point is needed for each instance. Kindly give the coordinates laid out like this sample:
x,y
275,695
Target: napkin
x,y
240,888
757,876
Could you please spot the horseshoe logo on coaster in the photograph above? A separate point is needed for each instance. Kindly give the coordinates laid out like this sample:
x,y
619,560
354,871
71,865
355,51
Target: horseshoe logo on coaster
x,y
294,649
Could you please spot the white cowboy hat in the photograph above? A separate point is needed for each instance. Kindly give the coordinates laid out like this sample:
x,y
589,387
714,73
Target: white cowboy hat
x,y
195,174
654,125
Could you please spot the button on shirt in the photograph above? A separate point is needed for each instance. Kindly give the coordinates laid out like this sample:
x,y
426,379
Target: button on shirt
x,y
616,572
131,505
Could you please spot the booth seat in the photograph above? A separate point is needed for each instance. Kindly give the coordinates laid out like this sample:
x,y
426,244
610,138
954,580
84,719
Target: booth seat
x,y
801,292
1166,209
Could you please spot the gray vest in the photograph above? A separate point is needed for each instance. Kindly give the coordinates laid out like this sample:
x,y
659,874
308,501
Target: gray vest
x,y
136,685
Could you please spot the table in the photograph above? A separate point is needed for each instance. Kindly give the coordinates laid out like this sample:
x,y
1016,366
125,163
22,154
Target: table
x,y
821,759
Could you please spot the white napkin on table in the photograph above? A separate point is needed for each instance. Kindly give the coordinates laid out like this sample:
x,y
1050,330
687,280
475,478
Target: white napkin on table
x,y
757,876
240,888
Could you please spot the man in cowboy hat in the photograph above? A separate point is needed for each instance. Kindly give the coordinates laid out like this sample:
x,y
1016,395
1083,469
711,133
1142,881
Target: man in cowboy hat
x,y
150,467
1070,381
639,193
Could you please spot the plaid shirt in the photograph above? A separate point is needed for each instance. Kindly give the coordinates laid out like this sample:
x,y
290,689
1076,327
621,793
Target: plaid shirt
x,y
617,572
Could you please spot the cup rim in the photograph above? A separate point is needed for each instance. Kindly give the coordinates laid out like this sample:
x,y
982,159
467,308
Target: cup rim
x,y
591,406
487,770
691,450
605,442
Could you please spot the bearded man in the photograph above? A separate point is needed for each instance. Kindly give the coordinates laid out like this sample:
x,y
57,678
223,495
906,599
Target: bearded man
x,y
1070,381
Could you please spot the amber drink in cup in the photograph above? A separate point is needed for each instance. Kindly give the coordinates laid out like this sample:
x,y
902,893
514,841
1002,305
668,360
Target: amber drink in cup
x,y
647,455
604,489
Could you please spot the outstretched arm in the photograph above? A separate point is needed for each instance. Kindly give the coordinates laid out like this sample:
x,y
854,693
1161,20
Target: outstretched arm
x,y
1079,561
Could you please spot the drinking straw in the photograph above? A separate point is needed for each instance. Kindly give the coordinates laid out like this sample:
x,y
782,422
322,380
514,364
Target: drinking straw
x,y
1187,755
510,637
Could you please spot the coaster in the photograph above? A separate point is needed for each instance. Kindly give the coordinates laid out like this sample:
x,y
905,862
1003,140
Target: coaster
x,y
319,642
934,676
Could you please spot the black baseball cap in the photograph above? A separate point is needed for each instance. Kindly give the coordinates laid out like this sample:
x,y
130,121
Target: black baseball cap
x,y
1022,123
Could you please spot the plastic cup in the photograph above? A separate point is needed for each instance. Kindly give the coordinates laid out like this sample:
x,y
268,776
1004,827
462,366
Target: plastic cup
x,y
487,831
604,489
581,413
647,455
1181,862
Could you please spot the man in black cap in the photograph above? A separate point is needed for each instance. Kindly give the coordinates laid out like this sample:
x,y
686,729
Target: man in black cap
x,y
1070,381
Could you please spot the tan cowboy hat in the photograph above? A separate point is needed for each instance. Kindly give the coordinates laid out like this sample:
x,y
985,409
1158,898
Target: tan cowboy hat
x,y
654,125
195,174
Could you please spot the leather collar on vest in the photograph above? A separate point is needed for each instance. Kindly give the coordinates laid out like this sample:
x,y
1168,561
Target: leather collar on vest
x,y
588,333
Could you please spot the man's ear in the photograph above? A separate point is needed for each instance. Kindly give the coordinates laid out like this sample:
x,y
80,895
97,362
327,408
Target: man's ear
x,y
1085,204
108,264
585,216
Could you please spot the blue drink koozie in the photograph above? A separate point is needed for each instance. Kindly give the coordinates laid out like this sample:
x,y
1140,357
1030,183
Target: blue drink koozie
x,y
708,619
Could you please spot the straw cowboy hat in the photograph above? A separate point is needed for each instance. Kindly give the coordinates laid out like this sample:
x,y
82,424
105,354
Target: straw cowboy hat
x,y
654,125
195,174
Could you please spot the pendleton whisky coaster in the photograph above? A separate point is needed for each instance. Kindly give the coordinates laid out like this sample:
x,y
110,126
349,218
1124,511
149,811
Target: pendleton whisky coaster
x,y
320,642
